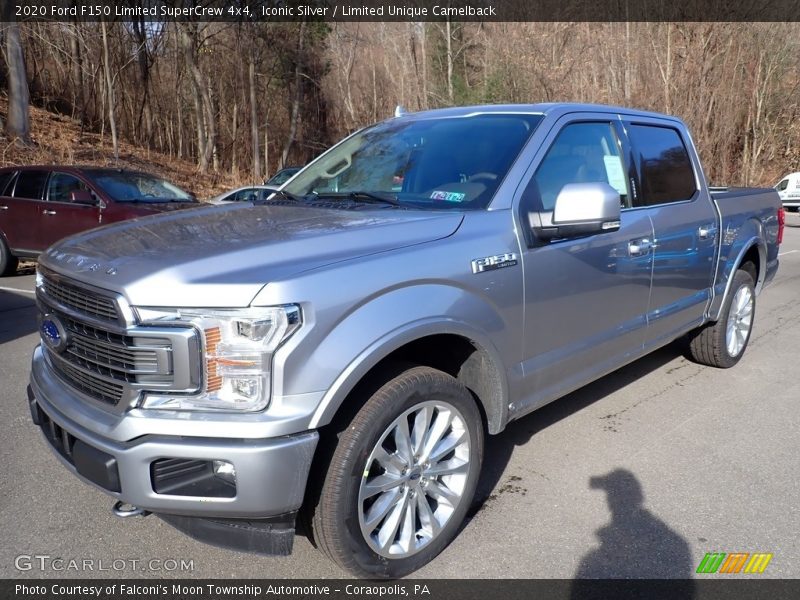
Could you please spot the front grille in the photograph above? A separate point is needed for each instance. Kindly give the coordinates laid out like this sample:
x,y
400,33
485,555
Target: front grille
x,y
80,299
104,360
87,383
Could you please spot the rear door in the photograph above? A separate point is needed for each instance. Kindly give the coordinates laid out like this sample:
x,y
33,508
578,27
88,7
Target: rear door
x,y
684,222
7,205
23,211
60,216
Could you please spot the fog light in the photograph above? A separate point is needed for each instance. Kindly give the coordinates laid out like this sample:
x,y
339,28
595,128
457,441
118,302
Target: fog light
x,y
225,470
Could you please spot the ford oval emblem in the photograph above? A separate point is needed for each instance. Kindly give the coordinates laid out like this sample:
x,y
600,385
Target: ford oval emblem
x,y
53,333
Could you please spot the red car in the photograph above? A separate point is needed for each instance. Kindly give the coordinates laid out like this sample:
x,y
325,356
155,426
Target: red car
x,y
42,204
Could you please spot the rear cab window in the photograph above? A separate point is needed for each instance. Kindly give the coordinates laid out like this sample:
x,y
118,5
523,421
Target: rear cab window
x,y
30,185
665,169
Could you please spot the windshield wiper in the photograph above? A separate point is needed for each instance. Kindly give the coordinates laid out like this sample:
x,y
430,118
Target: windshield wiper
x,y
285,195
361,196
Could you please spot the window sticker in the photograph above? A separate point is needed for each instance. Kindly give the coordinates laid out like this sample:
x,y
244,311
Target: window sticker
x,y
616,177
448,196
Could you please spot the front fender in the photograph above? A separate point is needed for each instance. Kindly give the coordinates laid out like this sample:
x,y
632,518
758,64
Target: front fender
x,y
378,327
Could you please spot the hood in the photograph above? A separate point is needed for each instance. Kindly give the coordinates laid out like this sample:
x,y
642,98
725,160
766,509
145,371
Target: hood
x,y
222,256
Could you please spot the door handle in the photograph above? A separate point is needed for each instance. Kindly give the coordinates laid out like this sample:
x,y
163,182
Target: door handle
x,y
48,212
705,232
3,207
640,247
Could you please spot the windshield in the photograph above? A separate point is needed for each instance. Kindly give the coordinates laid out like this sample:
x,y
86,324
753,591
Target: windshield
x,y
447,162
139,187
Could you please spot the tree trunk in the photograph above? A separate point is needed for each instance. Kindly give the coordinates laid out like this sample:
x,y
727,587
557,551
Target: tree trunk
x,y
79,98
251,78
298,96
112,123
205,120
449,35
143,61
18,121
234,135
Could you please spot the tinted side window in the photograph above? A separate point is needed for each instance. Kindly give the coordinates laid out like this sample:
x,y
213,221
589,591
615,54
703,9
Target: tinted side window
x,y
582,153
61,186
665,168
782,185
5,178
30,185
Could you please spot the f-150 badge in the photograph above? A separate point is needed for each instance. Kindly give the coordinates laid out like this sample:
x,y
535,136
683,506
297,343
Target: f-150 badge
x,y
490,263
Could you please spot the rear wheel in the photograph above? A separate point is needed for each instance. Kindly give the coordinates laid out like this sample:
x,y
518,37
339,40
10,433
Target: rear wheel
x,y
723,343
8,262
402,476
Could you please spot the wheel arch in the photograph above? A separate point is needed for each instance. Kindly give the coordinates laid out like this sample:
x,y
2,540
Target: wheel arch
x,y
751,250
453,348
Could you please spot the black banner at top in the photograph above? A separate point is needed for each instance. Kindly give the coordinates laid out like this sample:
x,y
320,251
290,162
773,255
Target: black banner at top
x,y
264,11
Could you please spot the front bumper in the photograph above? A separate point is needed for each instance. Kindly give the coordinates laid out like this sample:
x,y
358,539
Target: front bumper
x,y
271,473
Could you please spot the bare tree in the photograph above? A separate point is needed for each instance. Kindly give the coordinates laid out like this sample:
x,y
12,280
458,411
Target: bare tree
x,y
298,95
18,120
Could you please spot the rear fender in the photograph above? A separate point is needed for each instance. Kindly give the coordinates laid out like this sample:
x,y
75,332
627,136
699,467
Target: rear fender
x,y
736,242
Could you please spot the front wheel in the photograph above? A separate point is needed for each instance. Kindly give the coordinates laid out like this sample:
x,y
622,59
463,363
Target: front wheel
x,y
8,262
723,343
402,476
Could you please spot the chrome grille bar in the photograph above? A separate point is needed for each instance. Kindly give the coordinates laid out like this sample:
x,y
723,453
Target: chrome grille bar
x,y
87,383
80,299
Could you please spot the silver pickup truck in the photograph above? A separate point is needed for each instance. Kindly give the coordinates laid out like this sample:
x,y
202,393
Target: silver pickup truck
x,y
337,354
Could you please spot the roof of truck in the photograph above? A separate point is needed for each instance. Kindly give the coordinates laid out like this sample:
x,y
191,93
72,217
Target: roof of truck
x,y
548,108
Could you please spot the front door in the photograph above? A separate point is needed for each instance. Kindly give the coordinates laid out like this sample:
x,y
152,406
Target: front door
x,y
60,216
586,298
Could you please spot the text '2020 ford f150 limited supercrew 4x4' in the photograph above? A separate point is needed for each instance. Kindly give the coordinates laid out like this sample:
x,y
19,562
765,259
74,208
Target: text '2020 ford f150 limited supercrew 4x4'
x,y
339,351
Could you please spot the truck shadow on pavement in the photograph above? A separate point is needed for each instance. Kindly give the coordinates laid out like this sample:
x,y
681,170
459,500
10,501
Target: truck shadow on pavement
x,y
635,543
17,315
499,448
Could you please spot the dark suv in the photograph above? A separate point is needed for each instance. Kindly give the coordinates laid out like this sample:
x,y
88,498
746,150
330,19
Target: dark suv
x,y
42,204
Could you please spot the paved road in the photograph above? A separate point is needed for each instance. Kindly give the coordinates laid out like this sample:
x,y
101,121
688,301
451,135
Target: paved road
x,y
638,474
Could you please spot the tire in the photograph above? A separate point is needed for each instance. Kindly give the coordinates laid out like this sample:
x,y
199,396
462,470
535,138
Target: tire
x,y
8,262
723,343
390,533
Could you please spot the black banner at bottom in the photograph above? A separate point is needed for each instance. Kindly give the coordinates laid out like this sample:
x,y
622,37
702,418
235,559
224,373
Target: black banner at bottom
x,y
451,589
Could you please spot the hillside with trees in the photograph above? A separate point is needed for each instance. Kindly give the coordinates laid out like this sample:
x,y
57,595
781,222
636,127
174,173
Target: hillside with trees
x,y
236,101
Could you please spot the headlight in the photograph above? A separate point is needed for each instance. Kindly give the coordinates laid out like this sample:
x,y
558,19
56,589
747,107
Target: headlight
x,y
237,355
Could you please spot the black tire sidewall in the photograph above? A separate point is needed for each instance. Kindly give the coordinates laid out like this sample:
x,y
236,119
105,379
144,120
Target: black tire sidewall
x,y
358,441
741,279
6,260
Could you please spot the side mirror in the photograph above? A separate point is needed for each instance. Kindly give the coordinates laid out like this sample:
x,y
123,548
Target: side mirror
x,y
82,197
580,209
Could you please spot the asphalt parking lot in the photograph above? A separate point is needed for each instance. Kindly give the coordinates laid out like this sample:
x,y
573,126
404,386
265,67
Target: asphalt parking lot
x,y
637,475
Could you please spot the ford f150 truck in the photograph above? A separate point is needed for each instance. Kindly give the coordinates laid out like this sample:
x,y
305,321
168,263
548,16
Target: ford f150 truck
x,y
337,354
